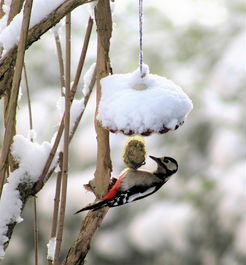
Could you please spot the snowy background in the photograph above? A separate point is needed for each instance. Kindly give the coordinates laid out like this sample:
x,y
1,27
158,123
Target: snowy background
x,y
199,217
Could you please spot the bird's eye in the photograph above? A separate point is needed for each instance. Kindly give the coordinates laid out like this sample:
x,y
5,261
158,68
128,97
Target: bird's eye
x,y
166,161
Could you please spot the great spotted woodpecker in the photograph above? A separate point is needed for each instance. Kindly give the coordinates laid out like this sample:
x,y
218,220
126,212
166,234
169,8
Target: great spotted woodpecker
x,y
133,184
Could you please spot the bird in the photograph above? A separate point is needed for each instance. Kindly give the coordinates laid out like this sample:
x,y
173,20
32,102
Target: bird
x,y
136,184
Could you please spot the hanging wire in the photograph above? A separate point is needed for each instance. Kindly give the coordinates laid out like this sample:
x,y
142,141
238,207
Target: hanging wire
x,y
141,37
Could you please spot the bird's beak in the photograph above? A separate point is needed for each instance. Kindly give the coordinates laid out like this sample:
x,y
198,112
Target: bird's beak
x,y
156,159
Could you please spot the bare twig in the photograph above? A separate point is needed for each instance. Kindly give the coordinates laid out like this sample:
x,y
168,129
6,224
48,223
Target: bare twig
x,y
35,230
56,203
91,85
82,57
28,98
60,60
66,143
10,125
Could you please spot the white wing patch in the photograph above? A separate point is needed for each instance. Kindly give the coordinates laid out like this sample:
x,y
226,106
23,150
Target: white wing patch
x,y
140,194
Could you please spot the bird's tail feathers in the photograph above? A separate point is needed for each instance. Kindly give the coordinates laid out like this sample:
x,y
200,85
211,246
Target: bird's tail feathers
x,y
94,206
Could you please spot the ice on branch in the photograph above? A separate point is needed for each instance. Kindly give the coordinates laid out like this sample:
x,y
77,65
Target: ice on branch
x,y
51,246
141,105
9,36
31,158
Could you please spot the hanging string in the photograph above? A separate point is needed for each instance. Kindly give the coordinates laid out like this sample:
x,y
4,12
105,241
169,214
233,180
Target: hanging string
x,y
141,38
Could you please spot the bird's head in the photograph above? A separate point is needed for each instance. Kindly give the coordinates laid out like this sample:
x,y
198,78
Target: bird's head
x,y
166,165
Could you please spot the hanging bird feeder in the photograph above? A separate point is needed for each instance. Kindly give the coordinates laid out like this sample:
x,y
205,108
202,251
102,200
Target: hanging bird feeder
x,y
140,102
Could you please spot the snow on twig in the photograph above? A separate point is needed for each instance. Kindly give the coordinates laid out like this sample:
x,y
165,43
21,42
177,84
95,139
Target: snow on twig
x,y
31,158
9,35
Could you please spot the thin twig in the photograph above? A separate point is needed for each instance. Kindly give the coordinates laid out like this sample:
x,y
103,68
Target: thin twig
x,y
10,126
82,57
35,230
60,61
56,204
34,197
46,171
28,98
66,143
1,51
87,96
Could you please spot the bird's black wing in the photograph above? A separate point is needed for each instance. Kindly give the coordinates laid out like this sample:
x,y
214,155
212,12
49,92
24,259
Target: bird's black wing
x,y
133,194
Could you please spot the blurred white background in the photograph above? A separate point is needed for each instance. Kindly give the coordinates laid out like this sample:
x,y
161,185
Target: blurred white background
x,y
199,216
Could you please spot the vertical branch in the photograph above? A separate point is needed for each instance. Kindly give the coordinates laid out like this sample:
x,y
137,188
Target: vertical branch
x,y
104,29
28,98
78,251
35,229
11,111
60,60
56,204
66,143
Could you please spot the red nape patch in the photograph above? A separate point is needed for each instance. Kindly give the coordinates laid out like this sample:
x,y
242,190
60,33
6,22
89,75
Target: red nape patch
x,y
112,192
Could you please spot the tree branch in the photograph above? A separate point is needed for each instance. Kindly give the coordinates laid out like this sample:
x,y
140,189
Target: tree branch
x,y
77,253
11,111
15,8
35,33
62,211
80,248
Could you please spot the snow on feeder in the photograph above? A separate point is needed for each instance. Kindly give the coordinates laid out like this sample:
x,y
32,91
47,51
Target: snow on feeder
x,y
142,103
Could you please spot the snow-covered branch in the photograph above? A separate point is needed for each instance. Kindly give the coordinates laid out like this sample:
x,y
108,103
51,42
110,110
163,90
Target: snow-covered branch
x,y
31,158
38,27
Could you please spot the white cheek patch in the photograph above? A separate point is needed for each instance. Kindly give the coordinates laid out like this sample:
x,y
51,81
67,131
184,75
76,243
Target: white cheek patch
x,y
135,196
171,166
